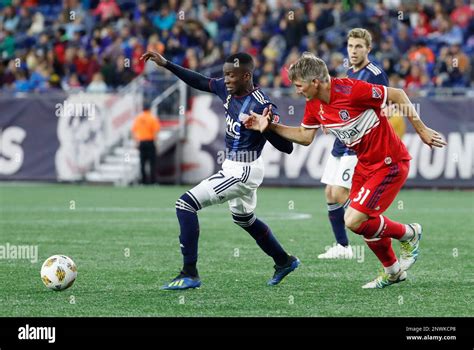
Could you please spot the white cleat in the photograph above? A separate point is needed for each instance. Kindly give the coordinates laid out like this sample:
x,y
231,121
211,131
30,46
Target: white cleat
x,y
337,252
410,249
386,279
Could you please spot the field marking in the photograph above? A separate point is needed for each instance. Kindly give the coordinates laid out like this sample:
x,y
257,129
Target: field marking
x,y
269,216
171,209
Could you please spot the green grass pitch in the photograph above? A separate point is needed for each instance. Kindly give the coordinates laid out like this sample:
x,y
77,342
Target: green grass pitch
x,y
125,244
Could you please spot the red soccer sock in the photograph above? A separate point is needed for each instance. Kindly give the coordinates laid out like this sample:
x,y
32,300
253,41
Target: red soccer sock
x,y
382,248
381,226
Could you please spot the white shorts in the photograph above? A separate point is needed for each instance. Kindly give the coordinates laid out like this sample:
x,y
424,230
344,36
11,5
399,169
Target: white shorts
x,y
339,171
236,183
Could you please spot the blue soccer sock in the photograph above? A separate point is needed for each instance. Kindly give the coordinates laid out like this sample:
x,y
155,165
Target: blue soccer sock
x,y
336,217
263,236
186,211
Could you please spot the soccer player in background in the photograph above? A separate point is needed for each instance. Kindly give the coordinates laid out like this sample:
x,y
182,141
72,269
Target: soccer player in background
x,y
340,166
242,171
351,110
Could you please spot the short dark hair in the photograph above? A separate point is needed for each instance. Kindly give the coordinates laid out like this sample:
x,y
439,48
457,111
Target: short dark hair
x,y
146,104
241,59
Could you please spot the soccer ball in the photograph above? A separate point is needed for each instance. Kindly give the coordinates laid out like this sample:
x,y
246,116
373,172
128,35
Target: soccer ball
x,y
58,272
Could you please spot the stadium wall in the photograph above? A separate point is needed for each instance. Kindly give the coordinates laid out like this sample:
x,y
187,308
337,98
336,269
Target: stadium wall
x,y
452,166
50,138
60,137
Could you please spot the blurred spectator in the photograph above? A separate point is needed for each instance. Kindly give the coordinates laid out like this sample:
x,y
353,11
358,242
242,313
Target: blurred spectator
x,y
37,25
423,27
25,21
10,19
462,13
292,58
107,10
454,68
165,20
81,38
97,84
447,33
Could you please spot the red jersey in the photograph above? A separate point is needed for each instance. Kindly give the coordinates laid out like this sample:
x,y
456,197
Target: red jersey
x,y
353,115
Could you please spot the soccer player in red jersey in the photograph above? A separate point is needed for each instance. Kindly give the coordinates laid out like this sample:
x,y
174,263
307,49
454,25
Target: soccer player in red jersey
x,y
351,110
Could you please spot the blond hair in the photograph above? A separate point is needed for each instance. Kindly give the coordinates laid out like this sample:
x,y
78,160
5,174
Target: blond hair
x,y
361,33
307,68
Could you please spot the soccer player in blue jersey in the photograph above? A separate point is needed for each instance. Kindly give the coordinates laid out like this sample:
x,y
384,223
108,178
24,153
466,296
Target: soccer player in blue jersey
x,y
242,171
341,163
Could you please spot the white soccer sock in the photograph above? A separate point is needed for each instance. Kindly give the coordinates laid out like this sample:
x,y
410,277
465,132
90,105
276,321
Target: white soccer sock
x,y
409,233
392,269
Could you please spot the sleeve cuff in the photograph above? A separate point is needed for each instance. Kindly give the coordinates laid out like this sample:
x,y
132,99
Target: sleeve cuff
x,y
310,126
385,93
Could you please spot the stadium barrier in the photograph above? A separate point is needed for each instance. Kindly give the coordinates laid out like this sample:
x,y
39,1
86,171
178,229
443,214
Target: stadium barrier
x,y
61,137
56,138
452,166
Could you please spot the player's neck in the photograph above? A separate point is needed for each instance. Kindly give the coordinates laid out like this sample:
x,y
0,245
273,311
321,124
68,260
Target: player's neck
x,y
360,66
245,91
324,92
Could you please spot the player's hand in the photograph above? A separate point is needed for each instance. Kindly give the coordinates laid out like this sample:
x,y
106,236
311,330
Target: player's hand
x,y
155,57
432,138
258,122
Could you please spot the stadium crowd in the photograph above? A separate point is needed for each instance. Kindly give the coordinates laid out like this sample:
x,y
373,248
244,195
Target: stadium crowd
x,y
93,45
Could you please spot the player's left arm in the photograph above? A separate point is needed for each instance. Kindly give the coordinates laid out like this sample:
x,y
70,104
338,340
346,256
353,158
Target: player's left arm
x,y
279,142
276,140
429,136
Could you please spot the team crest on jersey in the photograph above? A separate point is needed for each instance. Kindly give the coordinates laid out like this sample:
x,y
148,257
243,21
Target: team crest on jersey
x,y
344,115
376,92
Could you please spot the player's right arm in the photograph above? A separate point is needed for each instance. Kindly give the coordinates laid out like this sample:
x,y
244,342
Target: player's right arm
x,y
428,136
261,122
192,78
299,134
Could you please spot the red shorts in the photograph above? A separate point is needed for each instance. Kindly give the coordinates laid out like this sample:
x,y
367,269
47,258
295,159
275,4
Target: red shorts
x,y
373,193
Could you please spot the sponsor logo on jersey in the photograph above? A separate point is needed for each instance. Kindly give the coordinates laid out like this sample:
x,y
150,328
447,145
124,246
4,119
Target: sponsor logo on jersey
x,y
233,127
347,134
352,132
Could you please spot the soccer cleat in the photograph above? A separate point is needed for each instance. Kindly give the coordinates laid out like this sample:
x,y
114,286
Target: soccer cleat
x,y
337,252
386,279
282,271
182,281
410,249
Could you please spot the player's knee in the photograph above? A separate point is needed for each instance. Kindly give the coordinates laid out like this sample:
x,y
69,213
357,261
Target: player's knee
x,y
244,220
188,202
328,191
340,194
352,221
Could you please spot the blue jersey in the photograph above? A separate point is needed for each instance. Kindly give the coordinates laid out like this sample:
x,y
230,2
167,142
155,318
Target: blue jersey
x,y
241,143
373,74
